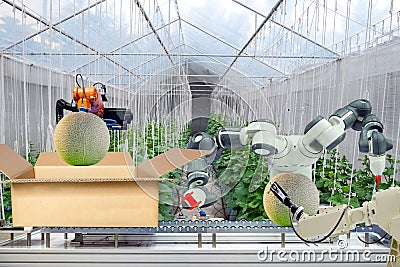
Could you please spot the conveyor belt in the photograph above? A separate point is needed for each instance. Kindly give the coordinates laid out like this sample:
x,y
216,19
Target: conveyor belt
x,y
198,226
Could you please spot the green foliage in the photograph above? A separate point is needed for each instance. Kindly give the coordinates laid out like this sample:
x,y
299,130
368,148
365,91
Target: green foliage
x,y
333,179
238,172
249,205
7,202
215,123
33,155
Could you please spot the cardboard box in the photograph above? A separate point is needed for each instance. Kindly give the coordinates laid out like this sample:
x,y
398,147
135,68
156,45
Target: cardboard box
x,y
59,194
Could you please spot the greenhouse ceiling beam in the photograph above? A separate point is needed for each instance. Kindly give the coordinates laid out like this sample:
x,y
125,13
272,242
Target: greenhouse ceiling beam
x,y
138,66
267,18
210,34
169,30
154,31
231,46
180,22
183,75
289,29
220,62
182,84
145,35
142,64
199,54
48,26
122,46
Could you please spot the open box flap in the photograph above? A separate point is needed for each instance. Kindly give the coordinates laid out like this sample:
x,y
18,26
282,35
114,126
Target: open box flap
x,y
13,165
168,161
163,164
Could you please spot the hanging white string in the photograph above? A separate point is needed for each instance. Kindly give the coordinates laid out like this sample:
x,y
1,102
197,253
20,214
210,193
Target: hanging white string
x,y
396,158
2,103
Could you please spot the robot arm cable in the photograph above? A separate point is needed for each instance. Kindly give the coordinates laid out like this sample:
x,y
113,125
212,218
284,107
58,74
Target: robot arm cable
x,y
373,242
77,82
83,87
323,238
295,211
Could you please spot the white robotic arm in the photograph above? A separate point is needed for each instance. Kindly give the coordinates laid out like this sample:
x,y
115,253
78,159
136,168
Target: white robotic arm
x,y
321,133
294,153
383,210
265,142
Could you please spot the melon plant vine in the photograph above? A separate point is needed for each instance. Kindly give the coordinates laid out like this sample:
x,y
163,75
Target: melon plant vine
x,y
333,172
235,170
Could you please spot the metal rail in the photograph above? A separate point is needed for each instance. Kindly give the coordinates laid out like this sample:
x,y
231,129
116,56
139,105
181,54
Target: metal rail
x,y
230,45
198,226
267,18
153,29
170,256
290,29
183,250
48,24
170,54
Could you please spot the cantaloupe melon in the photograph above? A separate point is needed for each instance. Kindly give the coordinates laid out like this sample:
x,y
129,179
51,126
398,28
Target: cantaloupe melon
x,y
81,138
301,190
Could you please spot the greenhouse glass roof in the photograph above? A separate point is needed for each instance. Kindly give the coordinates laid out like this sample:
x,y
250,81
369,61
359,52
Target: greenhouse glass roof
x,y
127,42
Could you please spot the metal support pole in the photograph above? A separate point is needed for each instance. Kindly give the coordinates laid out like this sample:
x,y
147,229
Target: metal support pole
x,y
11,236
78,239
116,240
47,240
228,44
214,240
42,236
288,29
154,31
199,240
28,239
50,26
65,235
366,240
267,18
283,240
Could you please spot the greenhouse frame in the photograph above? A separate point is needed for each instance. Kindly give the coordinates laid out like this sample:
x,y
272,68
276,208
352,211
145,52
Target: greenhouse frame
x,y
242,70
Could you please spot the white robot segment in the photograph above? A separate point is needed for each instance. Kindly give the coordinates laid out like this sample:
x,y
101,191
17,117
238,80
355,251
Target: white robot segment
x,y
293,153
383,210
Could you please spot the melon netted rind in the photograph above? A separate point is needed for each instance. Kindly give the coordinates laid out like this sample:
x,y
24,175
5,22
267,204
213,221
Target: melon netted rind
x,y
301,190
81,139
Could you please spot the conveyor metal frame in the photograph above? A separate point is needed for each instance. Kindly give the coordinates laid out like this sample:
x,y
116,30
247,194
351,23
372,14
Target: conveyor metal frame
x,y
199,226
